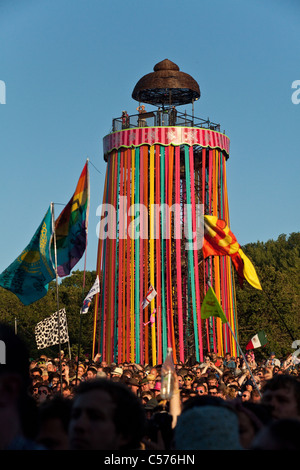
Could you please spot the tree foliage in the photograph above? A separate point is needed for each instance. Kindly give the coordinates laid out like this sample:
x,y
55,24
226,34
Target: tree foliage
x,y
71,292
275,309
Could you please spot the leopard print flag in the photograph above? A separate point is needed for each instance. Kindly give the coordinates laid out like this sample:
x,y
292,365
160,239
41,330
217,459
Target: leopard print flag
x,y
46,331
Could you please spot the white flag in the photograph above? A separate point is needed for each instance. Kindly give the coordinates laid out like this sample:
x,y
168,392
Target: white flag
x,y
46,331
150,296
87,301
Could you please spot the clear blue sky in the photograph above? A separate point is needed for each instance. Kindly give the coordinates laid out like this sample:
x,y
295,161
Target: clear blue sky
x,y
70,67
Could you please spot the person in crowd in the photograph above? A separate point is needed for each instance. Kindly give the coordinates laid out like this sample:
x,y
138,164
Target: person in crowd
x,y
282,394
246,395
212,380
75,381
172,116
198,372
141,119
145,385
202,388
125,120
60,386
134,384
151,381
252,418
250,358
117,372
105,415
81,370
270,387
210,367
54,418
146,397
213,391
18,411
282,434
180,381
229,361
44,393
288,363
36,372
155,372
188,381
255,396
207,425
68,392
91,373
55,380
273,361
267,375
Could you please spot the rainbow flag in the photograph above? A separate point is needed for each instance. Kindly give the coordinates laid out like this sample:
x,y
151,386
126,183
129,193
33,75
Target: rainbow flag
x,y
71,227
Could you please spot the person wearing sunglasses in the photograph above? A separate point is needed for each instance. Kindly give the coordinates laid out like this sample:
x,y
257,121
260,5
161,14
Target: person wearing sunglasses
x,y
188,381
246,395
201,390
213,391
43,394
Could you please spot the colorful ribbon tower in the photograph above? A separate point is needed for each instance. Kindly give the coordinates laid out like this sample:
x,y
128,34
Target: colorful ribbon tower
x,y
157,178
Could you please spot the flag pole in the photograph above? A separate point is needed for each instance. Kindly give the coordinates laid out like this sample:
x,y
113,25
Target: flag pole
x,y
83,286
69,347
80,321
247,365
57,299
276,310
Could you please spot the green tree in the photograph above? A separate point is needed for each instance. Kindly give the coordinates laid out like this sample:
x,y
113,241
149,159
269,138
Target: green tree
x,y
275,309
70,296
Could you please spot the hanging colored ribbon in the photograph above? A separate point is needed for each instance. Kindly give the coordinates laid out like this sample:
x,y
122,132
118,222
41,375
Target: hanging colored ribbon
x,y
190,252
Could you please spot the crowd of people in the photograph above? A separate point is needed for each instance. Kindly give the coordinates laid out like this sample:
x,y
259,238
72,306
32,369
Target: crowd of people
x,y
222,403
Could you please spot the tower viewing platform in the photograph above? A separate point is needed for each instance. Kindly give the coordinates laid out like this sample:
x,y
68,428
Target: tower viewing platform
x,y
165,88
162,117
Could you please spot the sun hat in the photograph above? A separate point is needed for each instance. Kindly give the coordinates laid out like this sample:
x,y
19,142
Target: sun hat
x,y
151,405
101,374
144,381
117,371
157,386
132,381
150,377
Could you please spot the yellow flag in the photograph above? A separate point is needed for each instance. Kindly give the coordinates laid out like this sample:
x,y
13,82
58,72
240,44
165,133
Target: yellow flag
x,y
249,271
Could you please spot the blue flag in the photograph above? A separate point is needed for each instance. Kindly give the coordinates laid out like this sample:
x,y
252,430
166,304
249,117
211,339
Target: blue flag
x,y
29,275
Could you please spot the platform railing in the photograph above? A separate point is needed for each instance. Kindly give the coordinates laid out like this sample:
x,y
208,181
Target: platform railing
x,y
163,117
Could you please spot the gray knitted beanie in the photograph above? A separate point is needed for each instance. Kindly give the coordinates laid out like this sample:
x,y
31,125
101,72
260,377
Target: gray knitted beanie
x,y
207,428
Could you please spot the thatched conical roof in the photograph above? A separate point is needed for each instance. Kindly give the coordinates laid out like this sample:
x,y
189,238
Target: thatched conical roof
x,y
166,85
